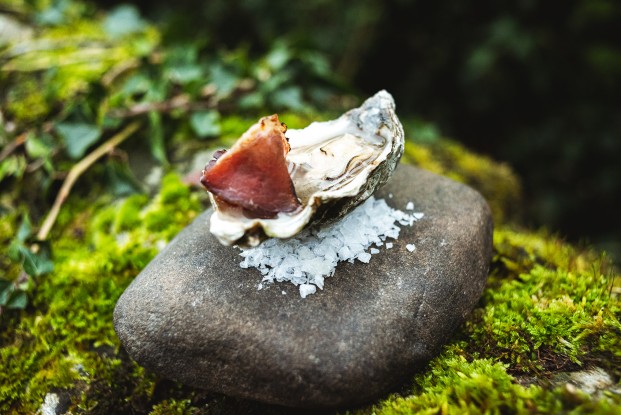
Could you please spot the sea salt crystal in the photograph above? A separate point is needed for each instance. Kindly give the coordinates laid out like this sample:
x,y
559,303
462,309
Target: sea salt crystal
x,y
409,206
308,258
410,247
307,289
364,257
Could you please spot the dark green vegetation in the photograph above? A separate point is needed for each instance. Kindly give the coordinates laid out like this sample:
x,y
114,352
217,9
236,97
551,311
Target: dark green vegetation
x,y
531,82
144,103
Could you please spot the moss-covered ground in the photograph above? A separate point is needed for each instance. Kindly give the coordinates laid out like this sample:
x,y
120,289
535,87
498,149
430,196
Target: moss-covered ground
x,y
550,309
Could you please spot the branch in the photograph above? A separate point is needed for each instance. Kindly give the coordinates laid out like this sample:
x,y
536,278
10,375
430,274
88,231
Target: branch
x,y
77,170
179,102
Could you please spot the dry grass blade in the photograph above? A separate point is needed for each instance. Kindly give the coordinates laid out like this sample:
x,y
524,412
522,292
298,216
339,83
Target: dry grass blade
x,y
77,170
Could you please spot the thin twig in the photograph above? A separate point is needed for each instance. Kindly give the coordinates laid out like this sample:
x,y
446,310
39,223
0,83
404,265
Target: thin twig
x,y
77,170
10,148
179,102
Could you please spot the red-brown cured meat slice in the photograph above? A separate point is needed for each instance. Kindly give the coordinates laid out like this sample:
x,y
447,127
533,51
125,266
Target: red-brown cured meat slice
x,y
253,174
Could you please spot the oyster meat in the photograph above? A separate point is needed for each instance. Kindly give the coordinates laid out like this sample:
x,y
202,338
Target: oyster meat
x,y
274,182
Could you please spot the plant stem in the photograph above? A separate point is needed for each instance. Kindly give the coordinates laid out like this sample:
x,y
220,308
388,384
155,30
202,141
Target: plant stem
x,y
21,139
77,170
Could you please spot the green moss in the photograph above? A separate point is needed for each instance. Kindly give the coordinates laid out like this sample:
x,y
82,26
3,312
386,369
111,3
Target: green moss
x,y
66,340
548,307
173,407
547,319
454,385
26,100
496,181
75,55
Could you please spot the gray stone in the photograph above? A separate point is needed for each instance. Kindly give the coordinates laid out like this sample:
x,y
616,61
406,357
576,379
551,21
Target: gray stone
x,y
193,315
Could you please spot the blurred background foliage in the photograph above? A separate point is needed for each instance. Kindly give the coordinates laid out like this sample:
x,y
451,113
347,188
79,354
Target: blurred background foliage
x,y
535,84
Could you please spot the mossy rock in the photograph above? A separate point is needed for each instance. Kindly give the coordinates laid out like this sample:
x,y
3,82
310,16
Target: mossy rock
x,y
496,181
548,308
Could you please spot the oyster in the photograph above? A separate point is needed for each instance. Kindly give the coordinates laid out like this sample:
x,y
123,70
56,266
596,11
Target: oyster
x,y
274,182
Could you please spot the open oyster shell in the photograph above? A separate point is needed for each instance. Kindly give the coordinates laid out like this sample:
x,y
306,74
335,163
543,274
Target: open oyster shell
x,y
334,166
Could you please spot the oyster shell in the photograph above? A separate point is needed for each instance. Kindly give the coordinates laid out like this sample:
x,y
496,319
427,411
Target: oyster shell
x,y
333,167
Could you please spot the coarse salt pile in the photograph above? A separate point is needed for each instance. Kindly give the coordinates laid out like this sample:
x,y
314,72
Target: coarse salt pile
x,y
313,254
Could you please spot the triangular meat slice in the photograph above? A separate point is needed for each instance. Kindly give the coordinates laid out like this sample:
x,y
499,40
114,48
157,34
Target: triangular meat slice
x,y
253,174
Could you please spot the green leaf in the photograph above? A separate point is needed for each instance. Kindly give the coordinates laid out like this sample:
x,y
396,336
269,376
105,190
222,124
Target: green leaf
x,y
289,97
18,301
25,229
53,15
123,20
224,79
6,289
156,137
37,148
15,250
121,179
252,100
78,137
278,57
36,265
184,74
13,166
206,123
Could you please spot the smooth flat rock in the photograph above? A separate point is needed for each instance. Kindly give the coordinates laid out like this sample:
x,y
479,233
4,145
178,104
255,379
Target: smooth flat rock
x,y
195,316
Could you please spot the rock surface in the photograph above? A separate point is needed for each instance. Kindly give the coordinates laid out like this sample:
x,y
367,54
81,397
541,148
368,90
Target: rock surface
x,y
195,316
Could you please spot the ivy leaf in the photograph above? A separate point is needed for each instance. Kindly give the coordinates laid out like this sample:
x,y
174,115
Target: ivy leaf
x,y
36,265
224,79
278,57
18,301
13,166
37,148
289,97
25,229
123,20
78,137
6,289
205,123
121,179
15,250
185,74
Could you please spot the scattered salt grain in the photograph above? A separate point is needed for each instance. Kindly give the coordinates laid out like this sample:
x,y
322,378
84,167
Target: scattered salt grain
x,y
409,206
307,289
312,255
410,247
